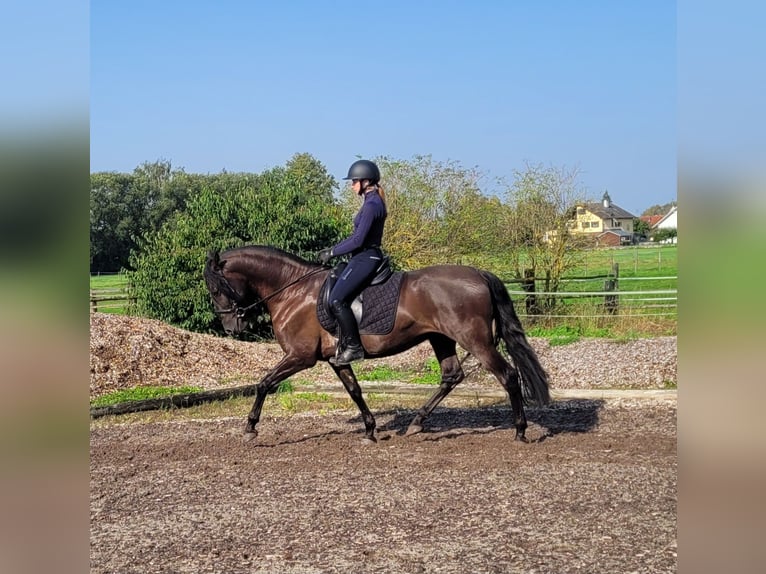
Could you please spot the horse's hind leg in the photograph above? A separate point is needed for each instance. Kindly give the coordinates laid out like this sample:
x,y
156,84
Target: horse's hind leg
x,y
493,361
348,378
452,374
511,383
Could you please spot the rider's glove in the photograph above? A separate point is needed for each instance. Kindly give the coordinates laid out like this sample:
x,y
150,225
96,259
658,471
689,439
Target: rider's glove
x,y
325,255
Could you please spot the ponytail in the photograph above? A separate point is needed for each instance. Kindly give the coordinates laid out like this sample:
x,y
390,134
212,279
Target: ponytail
x,y
379,189
382,193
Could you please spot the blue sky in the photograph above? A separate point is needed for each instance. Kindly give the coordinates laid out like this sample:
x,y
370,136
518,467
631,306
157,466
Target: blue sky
x,y
244,85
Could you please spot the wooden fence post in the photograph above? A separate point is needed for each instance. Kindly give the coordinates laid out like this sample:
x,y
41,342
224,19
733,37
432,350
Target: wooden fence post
x,y
611,284
528,285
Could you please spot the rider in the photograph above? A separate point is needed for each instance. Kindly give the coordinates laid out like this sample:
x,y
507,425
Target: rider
x,y
364,246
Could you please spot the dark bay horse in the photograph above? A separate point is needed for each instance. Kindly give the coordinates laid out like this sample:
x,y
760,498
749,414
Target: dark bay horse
x,y
447,305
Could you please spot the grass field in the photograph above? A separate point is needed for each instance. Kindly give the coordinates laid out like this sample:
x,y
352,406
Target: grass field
x,y
106,286
637,261
108,281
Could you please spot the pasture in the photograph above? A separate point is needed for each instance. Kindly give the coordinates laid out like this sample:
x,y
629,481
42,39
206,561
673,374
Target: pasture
x,y
109,293
636,261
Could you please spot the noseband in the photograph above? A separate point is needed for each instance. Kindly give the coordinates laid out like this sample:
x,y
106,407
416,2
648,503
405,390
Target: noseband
x,y
236,310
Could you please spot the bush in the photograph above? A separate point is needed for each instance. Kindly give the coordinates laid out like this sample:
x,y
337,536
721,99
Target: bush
x,y
291,208
664,234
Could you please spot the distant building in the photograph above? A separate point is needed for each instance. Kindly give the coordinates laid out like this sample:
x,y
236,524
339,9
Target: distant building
x,y
606,223
651,220
614,238
668,221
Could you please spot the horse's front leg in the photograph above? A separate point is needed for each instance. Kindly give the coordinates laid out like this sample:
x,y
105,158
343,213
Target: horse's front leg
x,y
289,365
348,378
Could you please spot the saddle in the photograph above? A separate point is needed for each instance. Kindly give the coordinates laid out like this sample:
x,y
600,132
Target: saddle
x,y
374,308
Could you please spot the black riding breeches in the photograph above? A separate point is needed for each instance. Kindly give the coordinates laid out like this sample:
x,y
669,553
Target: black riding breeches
x,y
357,275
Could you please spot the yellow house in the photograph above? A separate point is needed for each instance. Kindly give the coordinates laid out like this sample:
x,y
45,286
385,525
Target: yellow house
x,y
606,222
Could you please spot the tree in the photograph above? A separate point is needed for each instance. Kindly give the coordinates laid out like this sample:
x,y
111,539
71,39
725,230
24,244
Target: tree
x,y
664,234
111,225
477,228
641,227
659,209
291,208
543,202
125,206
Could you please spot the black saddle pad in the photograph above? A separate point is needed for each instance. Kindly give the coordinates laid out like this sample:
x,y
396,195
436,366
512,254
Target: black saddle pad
x,y
378,303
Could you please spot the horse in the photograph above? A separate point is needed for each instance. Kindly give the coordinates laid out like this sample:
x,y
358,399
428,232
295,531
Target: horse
x,y
446,305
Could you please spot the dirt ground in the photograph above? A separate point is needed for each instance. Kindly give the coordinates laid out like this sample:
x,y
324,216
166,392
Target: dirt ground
x,y
595,492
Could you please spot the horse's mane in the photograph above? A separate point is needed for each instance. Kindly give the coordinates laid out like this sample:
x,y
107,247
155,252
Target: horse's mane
x,y
266,251
280,263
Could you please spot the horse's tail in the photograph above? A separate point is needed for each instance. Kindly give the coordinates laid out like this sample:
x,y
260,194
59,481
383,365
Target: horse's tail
x,y
534,379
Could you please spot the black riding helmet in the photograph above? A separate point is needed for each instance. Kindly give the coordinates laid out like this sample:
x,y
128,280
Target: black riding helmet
x,y
364,169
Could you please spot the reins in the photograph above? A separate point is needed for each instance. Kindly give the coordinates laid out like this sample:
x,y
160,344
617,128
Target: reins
x,y
240,312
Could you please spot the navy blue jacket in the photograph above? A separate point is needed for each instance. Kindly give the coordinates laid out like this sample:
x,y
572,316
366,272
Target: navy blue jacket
x,y
368,226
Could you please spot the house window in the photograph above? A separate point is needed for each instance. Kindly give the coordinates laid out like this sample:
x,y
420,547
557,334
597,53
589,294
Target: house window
x,y
580,211
617,223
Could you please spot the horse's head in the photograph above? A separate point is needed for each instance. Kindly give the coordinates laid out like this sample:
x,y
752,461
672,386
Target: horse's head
x,y
228,293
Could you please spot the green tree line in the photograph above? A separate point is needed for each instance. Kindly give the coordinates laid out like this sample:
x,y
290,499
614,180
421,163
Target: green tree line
x,y
158,223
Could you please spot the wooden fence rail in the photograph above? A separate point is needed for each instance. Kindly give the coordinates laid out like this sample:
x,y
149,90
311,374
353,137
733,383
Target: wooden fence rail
x,y
643,302
110,299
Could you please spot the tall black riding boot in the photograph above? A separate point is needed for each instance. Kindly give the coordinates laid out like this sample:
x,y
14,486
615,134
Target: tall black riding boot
x,y
349,345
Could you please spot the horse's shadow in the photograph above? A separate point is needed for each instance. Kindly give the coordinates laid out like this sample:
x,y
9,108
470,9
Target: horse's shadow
x,y
565,416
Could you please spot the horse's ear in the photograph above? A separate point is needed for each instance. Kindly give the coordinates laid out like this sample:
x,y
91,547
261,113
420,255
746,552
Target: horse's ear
x,y
212,258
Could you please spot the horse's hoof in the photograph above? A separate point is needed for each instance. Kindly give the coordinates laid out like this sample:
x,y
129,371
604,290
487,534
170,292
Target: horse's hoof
x,y
413,429
369,440
521,438
249,433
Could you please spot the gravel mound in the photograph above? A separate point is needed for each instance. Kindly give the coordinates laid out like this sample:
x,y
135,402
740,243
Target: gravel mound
x,y
130,351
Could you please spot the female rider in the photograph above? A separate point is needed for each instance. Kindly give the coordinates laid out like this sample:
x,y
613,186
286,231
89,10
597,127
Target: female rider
x,y
364,246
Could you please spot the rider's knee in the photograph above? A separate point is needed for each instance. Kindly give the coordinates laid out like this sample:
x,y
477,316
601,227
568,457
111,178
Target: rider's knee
x,y
338,305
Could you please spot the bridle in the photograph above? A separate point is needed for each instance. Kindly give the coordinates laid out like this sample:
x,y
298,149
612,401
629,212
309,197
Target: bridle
x,y
241,312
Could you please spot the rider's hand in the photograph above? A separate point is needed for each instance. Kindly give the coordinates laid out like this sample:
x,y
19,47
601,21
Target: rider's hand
x,y
325,255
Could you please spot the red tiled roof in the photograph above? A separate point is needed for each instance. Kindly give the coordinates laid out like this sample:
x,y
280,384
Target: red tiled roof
x,y
651,219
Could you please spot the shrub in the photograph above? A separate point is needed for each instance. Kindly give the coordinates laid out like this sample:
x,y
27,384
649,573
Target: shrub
x,y
291,208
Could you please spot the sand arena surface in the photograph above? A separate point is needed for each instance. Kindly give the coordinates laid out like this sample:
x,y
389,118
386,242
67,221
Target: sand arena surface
x,y
596,490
